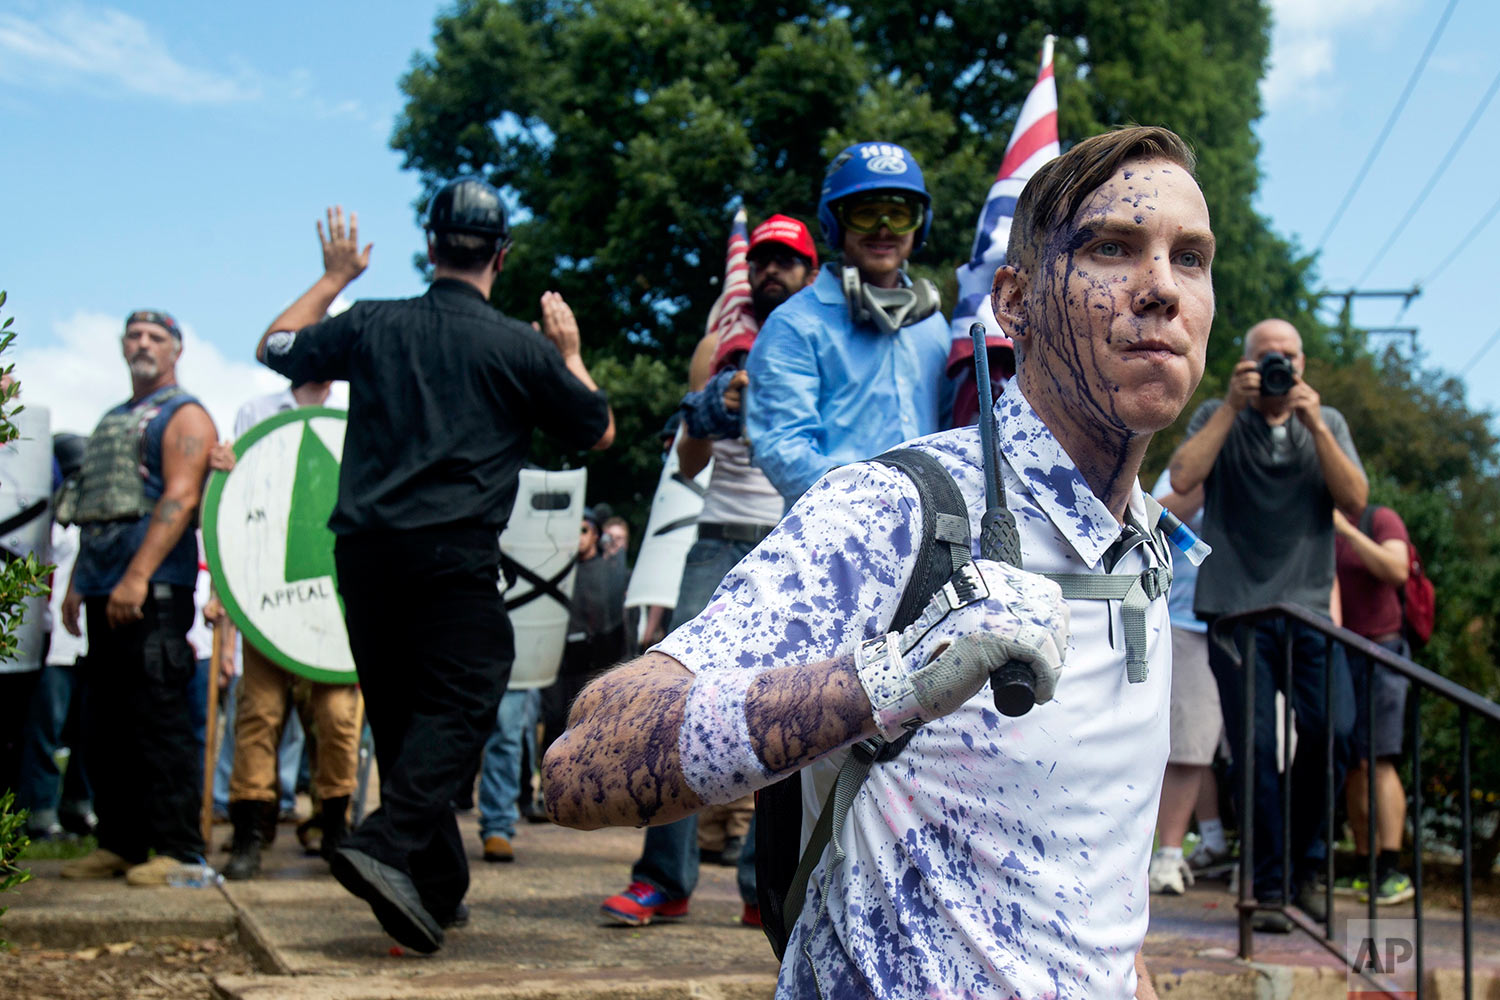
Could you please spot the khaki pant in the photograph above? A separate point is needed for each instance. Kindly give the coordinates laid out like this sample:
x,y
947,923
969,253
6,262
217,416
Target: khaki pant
x,y
716,824
331,714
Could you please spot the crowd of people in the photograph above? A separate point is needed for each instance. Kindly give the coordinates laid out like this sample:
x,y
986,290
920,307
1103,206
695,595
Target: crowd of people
x,y
838,617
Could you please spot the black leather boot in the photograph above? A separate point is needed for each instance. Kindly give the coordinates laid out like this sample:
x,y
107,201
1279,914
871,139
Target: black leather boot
x,y
333,818
248,818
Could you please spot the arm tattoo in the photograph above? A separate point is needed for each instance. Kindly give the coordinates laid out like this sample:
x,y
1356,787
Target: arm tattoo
x,y
168,510
623,751
620,760
796,716
190,446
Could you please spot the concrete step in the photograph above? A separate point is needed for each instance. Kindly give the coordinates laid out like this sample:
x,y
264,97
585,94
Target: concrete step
x,y
668,983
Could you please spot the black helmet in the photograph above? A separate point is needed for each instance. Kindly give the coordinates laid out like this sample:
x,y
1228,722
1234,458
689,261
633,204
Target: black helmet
x,y
468,205
68,450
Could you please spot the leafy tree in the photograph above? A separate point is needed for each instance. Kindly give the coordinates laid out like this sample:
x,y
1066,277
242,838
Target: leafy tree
x,y
13,841
1434,460
19,579
626,130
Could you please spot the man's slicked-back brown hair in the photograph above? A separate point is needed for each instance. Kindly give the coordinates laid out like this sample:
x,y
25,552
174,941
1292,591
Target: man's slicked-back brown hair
x,y
1056,191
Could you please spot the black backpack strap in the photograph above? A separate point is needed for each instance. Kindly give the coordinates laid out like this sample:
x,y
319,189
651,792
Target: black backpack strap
x,y
945,546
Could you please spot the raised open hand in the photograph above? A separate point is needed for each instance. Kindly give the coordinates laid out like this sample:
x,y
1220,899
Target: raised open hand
x,y
342,258
559,324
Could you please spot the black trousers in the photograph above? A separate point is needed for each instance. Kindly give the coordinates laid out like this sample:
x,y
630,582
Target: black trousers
x,y
1313,719
583,660
146,769
433,648
16,693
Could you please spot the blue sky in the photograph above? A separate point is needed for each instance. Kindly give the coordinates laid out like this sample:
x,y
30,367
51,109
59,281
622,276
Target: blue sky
x,y
176,156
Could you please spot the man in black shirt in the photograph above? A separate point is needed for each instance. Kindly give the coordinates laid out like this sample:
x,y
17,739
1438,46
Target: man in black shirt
x,y
444,392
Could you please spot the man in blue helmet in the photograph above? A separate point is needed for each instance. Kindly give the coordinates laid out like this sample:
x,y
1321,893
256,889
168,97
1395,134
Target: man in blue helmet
x,y
853,365
444,393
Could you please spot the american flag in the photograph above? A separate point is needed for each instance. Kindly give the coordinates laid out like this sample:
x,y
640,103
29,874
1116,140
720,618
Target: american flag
x,y
732,321
1032,144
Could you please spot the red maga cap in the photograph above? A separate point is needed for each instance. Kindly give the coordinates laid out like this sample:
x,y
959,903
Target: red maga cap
x,y
787,231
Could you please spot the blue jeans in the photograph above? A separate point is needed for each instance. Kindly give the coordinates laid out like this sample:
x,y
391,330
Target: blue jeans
x,y
1313,718
288,755
669,859
500,772
56,718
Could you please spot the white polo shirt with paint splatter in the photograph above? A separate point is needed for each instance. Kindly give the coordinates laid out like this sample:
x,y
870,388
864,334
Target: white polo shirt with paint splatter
x,y
994,857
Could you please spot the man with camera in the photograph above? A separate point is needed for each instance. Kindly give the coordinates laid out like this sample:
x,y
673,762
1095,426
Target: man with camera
x,y
1271,485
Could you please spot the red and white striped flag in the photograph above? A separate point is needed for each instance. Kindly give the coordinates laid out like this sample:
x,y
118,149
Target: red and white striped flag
x,y
732,320
1032,144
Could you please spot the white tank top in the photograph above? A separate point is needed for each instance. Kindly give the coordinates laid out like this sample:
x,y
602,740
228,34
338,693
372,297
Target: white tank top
x,y
738,492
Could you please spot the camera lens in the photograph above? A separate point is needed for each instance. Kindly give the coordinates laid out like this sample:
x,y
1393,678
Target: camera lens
x,y
1276,374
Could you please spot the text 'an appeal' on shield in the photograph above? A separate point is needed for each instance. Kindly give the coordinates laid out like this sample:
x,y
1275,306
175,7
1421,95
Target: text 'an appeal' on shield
x,y
269,549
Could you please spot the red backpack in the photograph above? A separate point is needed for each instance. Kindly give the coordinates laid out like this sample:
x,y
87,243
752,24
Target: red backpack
x,y
1418,597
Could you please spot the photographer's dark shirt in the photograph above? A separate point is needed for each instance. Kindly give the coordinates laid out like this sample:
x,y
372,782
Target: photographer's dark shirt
x,y
444,393
1268,514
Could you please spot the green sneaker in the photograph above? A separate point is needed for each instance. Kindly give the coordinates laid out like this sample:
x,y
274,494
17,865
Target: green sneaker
x,y
1351,885
1394,888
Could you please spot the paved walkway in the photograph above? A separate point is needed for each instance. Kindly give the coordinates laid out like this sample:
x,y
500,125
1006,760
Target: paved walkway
x,y
537,932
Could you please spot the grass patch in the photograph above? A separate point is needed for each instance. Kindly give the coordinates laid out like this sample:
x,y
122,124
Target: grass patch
x,y
59,850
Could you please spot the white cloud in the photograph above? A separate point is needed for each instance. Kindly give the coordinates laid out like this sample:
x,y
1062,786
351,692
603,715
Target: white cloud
x,y
109,52
81,374
1304,37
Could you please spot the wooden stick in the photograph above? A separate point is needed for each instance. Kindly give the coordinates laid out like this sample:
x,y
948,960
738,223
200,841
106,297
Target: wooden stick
x,y
209,743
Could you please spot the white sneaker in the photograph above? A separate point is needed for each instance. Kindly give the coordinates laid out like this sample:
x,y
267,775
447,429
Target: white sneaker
x,y
1204,856
1169,875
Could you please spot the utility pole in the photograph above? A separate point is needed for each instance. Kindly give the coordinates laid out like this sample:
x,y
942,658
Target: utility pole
x,y
1397,331
1346,312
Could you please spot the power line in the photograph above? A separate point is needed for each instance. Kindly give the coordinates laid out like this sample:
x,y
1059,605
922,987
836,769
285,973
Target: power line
x,y
1390,122
1463,135
1484,220
1483,350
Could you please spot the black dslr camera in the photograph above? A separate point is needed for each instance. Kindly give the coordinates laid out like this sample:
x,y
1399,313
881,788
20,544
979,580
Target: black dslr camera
x,y
1276,374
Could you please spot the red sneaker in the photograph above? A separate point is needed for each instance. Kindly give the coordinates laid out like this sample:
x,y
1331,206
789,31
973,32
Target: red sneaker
x,y
640,904
751,916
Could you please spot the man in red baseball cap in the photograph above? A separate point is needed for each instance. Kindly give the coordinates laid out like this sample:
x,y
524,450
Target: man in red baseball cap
x,y
782,260
739,509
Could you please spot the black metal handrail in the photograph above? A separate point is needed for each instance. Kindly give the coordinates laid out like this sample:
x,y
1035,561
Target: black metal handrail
x,y
1468,704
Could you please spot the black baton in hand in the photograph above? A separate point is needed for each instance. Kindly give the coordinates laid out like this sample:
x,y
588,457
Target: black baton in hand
x,y
1013,684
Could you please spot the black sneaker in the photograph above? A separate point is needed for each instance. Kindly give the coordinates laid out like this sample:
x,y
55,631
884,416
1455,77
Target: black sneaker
x,y
392,897
78,823
459,918
1312,901
1271,922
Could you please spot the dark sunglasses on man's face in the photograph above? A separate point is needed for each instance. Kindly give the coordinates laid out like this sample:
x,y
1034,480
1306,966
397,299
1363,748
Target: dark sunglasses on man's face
x,y
899,214
786,260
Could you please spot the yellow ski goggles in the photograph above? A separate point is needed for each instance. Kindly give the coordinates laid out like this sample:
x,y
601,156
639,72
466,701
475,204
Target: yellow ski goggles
x,y
898,213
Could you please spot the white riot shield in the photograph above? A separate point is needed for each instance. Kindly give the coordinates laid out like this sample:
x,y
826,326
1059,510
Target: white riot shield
x,y
670,532
26,522
269,550
539,548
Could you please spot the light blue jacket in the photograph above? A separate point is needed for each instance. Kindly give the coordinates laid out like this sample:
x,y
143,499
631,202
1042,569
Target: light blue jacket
x,y
824,393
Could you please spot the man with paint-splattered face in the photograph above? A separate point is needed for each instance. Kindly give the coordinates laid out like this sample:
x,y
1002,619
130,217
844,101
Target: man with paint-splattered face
x,y
993,855
1110,308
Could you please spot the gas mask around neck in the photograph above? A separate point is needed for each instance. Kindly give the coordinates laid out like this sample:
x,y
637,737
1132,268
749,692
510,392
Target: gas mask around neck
x,y
889,309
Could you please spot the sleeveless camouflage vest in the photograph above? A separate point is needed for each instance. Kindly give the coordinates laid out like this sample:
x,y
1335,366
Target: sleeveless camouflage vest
x,y
111,485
